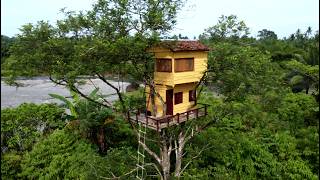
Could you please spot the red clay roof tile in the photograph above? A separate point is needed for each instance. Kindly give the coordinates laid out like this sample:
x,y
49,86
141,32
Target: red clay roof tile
x,y
183,45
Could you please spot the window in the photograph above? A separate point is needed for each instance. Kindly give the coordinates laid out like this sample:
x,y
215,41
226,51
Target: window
x,y
164,65
192,95
178,98
183,64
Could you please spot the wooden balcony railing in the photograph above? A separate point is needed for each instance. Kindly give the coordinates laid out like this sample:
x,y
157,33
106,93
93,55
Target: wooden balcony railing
x,y
168,120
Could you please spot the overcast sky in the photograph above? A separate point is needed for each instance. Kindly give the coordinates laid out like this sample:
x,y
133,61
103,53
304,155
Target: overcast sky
x,y
283,17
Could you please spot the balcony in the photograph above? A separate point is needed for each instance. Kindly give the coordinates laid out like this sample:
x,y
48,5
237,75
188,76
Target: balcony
x,y
168,120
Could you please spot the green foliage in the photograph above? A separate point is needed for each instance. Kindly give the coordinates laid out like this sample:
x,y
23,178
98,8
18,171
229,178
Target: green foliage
x,y
265,34
10,165
238,71
133,100
62,155
249,141
120,162
111,37
22,126
299,110
257,129
6,43
91,115
227,27
308,145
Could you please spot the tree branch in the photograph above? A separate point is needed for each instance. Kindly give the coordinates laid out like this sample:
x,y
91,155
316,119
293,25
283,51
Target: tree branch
x,y
100,93
72,87
115,88
153,154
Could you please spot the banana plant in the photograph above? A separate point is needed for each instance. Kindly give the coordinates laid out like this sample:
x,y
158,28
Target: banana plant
x,y
71,104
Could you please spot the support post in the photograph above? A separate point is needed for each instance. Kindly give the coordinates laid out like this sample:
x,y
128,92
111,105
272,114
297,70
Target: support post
x,y
205,110
178,120
187,115
137,118
157,125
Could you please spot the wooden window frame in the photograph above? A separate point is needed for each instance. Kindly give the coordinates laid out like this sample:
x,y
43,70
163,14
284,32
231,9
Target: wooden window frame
x,y
192,95
158,64
179,59
178,98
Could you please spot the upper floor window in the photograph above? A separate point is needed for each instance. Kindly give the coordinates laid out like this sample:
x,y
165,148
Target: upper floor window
x,y
164,65
183,64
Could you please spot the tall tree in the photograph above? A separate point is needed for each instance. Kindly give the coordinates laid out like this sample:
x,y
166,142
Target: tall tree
x,y
6,43
267,34
112,38
227,27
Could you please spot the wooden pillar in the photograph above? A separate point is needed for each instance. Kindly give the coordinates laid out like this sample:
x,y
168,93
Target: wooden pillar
x,y
197,112
178,120
157,125
205,110
137,118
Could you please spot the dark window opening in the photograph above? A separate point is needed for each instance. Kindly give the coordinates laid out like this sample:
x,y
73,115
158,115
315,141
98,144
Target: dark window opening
x,y
164,65
192,95
183,64
178,98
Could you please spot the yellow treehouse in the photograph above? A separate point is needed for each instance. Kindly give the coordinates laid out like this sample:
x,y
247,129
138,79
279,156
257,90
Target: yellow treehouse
x,y
179,67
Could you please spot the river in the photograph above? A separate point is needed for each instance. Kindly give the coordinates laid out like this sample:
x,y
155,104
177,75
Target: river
x,y
36,90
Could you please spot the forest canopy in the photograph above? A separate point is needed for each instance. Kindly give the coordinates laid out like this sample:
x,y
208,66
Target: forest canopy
x,y
263,92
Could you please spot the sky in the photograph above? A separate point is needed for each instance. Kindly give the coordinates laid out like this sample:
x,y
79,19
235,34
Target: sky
x,y
283,17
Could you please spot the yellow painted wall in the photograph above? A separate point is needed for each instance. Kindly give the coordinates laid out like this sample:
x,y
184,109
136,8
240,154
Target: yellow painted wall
x,y
178,108
200,66
171,79
185,105
164,77
180,81
162,91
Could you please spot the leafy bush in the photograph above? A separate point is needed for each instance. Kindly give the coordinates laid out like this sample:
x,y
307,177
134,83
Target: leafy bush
x,y
64,155
10,165
61,155
22,126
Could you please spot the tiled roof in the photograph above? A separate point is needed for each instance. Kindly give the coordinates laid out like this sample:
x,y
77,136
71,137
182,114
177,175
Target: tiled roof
x,y
183,45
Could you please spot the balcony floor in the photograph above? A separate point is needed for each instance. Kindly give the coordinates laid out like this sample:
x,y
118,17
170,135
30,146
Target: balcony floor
x,y
158,123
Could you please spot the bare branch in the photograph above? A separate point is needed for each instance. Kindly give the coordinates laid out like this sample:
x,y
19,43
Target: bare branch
x,y
153,154
130,172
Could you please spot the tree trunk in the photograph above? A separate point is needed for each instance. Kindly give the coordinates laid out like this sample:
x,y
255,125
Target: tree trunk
x,y
165,152
154,94
179,153
101,139
165,143
307,88
165,162
153,104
